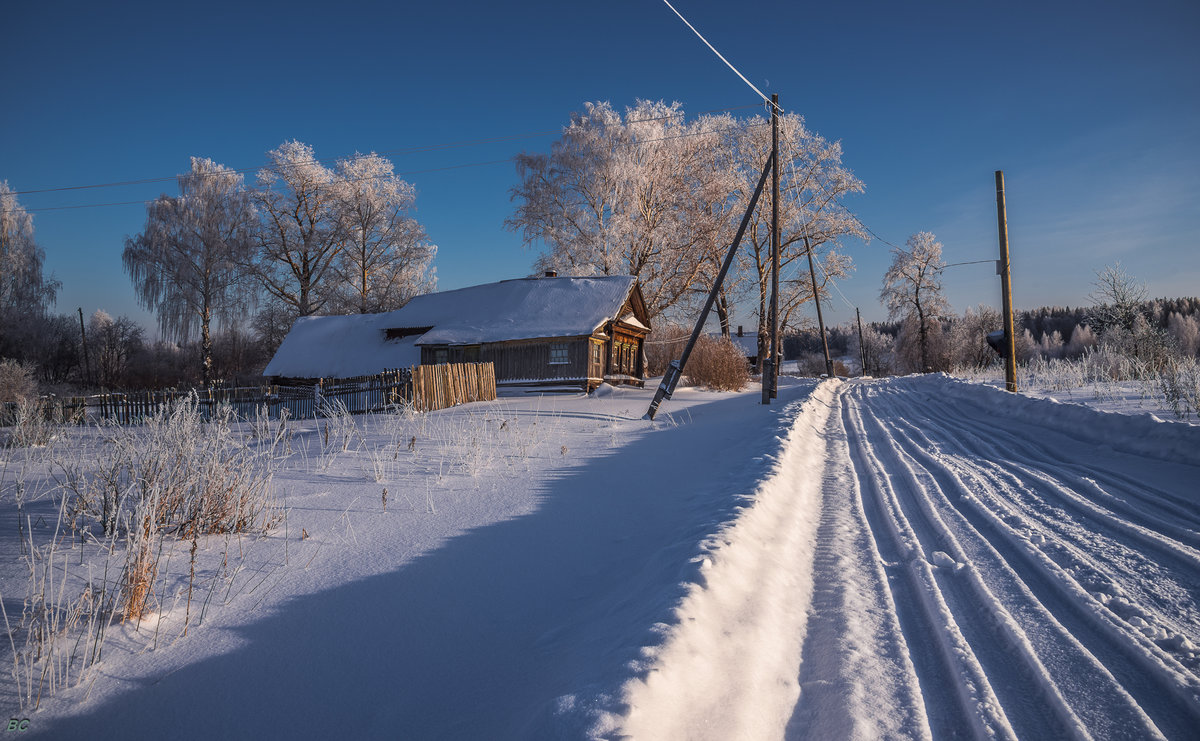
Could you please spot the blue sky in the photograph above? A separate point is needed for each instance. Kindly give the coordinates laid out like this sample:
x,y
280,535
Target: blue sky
x,y
1091,109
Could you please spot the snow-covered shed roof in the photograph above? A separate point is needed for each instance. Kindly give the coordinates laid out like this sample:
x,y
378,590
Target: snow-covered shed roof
x,y
521,309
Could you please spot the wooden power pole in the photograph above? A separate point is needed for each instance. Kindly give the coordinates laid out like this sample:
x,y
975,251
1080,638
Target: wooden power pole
x,y
87,367
862,350
771,370
1010,340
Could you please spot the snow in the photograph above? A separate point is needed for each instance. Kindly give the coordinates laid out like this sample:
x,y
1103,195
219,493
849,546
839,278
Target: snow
x,y
914,557
526,308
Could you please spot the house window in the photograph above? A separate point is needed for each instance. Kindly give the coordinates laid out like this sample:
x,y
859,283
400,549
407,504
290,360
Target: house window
x,y
596,353
441,355
558,353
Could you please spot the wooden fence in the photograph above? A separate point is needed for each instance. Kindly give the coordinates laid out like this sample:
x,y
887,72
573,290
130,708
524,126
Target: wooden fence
x,y
444,386
427,387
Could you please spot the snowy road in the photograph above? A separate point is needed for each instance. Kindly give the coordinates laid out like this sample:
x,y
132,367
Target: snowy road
x,y
980,574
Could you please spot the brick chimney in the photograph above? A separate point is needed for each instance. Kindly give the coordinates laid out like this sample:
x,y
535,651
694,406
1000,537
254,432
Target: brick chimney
x,y
551,273
740,330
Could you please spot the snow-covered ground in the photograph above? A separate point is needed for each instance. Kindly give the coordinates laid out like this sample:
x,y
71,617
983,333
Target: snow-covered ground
x,y
914,557
1121,397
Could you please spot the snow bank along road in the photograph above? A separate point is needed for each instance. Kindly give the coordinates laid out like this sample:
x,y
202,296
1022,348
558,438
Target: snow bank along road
x,y
983,565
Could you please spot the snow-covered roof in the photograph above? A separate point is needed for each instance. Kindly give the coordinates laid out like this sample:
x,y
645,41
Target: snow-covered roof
x,y
748,343
521,309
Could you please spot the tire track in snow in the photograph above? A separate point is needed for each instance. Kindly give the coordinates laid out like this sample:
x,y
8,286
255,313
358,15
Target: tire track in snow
x,y
1110,556
974,616
1012,440
857,679
961,470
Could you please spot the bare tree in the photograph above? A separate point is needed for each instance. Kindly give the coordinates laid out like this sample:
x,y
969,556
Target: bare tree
x,y
968,337
299,234
114,342
188,265
912,287
1117,300
387,258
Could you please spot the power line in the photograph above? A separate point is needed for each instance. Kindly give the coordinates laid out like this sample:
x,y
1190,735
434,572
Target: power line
x,y
972,262
388,153
405,173
719,55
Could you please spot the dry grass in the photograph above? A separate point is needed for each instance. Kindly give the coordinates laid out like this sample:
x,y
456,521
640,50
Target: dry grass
x,y
144,489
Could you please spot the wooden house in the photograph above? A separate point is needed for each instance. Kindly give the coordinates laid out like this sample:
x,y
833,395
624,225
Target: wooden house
x,y
535,331
747,342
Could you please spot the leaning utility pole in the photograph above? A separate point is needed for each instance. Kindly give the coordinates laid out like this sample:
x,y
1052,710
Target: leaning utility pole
x,y
817,300
770,381
675,369
1010,340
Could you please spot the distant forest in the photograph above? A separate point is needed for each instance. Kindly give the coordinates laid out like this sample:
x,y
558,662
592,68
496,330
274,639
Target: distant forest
x,y
1040,323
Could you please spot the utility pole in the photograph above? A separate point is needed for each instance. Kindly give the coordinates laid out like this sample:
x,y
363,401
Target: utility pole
x,y
675,369
1010,340
771,371
87,367
862,350
817,300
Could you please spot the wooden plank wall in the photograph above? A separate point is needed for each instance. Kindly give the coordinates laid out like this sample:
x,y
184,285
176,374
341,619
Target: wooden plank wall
x,y
447,385
530,360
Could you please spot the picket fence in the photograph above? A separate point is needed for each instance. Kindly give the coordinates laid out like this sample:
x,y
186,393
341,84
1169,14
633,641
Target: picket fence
x,y
426,387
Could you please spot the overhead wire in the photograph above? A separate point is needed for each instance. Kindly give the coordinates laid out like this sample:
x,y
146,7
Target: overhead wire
x,y
403,173
719,55
386,153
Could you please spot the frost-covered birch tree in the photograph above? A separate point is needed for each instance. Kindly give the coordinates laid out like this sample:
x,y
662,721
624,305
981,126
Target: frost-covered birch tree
x,y
912,287
812,182
188,265
616,196
386,258
299,231
25,293
654,196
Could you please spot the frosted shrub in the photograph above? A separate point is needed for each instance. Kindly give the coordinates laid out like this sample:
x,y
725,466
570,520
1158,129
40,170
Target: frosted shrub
x,y
198,476
718,364
665,343
1180,385
16,382
31,422
147,487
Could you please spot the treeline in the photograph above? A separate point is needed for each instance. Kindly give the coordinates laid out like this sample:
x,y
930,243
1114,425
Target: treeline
x,y
1155,329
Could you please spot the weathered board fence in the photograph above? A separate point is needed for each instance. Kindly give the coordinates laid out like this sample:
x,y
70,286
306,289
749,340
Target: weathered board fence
x,y
426,387
443,386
